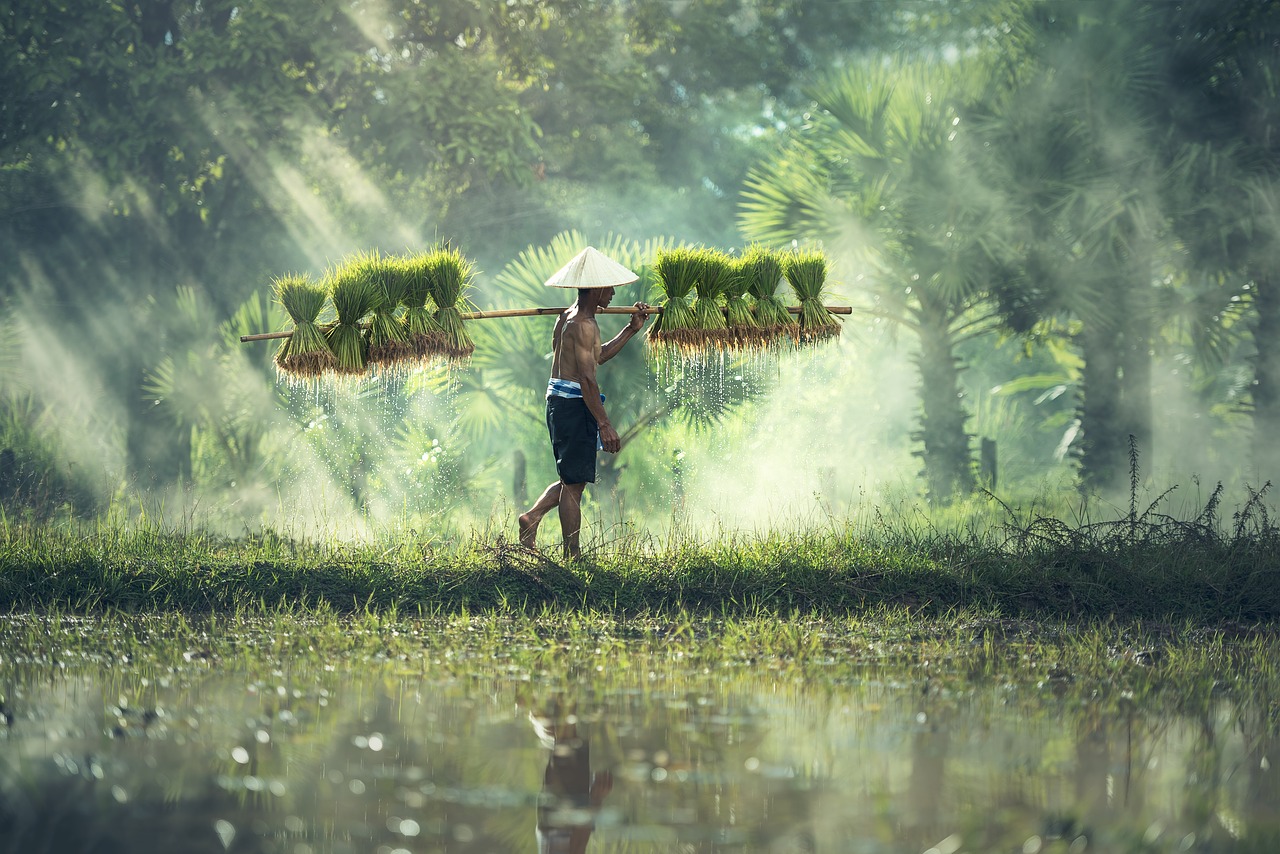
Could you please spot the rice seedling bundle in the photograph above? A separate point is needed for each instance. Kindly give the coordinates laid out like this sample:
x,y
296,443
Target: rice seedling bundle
x,y
676,271
708,314
775,323
354,294
388,344
744,332
304,355
424,336
450,276
806,270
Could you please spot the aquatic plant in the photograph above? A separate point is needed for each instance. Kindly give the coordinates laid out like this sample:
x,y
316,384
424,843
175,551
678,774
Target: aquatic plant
x,y
305,354
354,292
450,274
744,332
764,267
425,337
714,273
806,270
388,344
676,272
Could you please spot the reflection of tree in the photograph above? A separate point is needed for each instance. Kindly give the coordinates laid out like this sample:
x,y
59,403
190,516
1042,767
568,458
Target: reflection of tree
x,y
930,743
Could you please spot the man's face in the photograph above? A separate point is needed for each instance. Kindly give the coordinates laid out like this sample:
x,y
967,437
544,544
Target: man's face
x,y
606,297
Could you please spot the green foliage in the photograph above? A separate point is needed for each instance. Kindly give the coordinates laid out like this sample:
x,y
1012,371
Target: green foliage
x,y
305,354
713,273
676,271
353,289
450,279
806,270
763,270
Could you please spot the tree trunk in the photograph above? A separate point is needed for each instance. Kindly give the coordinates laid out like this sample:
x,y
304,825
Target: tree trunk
x,y
1136,364
1266,380
948,461
1104,442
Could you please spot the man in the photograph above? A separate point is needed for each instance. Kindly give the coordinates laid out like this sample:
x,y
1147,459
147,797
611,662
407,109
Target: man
x,y
576,417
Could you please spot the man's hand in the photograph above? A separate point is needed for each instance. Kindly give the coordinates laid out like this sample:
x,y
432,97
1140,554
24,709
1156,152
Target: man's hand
x,y
609,438
637,320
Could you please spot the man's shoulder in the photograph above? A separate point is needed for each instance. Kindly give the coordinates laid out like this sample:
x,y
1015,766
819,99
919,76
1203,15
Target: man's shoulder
x,y
580,324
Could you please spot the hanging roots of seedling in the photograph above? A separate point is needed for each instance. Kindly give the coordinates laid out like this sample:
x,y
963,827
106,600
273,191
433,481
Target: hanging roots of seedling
x,y
708,308
354,293
304,355
744,334
450,278
673,331
777,327
388,345
424,336
806,270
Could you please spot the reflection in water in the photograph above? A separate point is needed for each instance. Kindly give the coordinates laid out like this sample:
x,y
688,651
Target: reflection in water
x,y
571,794
650,756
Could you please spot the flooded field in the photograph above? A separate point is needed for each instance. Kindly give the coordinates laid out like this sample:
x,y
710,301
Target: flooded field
x,y
567,734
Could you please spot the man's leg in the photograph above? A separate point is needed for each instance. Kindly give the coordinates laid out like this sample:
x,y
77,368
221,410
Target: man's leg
x,y
529,521
571,517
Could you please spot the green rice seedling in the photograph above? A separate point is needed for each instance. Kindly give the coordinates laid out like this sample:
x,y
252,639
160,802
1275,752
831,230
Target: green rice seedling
x,y
806,270
354,293
425,337
304,355
388,344
676,271
742,323
450,278
776,324
708,310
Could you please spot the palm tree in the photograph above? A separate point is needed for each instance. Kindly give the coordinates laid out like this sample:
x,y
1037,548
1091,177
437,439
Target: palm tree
x,y
881,177
1223,111
1070,136
507,383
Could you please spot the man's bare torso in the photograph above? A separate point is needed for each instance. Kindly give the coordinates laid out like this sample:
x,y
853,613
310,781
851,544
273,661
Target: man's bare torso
x,y
574,337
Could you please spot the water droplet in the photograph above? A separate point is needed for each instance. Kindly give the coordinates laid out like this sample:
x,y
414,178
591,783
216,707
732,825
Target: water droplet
x,y
226,832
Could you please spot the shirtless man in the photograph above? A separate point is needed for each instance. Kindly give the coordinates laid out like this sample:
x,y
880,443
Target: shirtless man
x,y
576,418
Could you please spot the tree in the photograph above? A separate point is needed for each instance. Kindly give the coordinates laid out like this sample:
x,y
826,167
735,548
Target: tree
x,y
881,177
1071,138
1223,111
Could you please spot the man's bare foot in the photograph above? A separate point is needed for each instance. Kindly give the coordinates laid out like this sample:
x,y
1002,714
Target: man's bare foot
x,y
529,530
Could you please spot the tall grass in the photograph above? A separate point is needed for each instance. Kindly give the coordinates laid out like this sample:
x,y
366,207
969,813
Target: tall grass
x,y
1143,564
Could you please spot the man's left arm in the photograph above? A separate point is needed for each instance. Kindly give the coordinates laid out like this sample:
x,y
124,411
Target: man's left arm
x,y
634,325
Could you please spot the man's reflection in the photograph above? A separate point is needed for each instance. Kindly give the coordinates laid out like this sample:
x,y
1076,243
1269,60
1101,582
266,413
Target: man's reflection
x,y
571,796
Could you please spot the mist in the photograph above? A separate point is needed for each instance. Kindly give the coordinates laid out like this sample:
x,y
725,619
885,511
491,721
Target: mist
x,y
1093,276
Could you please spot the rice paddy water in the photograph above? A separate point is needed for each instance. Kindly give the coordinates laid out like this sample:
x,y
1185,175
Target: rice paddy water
x,y
296,733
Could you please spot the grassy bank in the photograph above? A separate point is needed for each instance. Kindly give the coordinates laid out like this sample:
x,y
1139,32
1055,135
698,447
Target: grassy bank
x,y
1140,566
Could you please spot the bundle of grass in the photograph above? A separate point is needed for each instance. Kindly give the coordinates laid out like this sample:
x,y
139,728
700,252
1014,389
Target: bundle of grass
x,y
806,270
449,277
708,313
304,355
676,271
388,345
764,273
425,337
354,293
743,331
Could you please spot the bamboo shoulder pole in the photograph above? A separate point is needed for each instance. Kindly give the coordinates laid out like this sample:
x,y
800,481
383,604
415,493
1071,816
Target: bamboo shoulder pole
x,y
536,312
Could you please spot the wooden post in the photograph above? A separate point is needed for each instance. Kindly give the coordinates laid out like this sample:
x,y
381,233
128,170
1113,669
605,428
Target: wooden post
x,y
987,464
519,478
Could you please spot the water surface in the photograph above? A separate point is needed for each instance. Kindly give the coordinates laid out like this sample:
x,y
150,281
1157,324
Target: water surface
x,y
429,740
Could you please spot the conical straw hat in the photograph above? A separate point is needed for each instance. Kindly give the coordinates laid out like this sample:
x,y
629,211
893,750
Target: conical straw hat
x,y
591,268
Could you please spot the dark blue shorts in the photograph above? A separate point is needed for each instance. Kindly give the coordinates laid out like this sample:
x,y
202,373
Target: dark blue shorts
x,y
574,435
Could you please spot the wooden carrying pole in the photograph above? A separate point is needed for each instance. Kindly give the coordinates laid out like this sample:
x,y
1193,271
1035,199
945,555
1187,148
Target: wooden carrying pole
x,y
536,312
